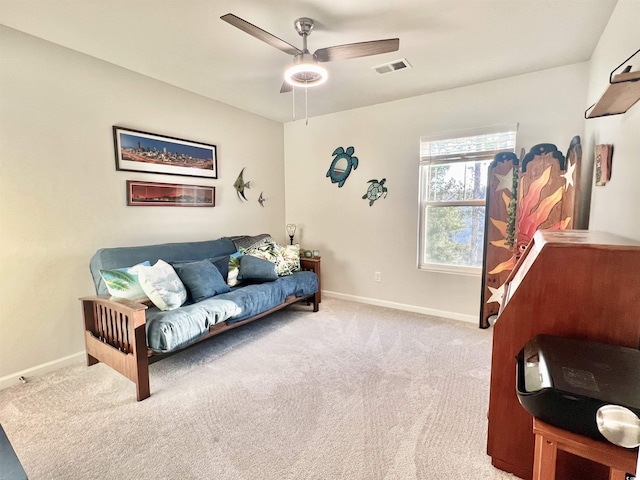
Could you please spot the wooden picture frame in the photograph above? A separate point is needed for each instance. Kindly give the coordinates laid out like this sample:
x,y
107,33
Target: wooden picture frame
x,y
152,194
138,151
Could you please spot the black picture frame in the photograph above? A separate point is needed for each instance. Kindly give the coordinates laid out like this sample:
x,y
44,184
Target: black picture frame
x,y
138,151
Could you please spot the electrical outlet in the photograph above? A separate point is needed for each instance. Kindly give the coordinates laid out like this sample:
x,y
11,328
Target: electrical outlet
x,y
377,277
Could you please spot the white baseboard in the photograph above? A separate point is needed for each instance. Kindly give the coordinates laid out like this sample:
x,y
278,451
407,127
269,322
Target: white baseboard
x,y
402,306
41,369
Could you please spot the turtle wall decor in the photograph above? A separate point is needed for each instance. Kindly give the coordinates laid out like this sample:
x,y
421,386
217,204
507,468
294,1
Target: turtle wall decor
x,y
375,191
341,165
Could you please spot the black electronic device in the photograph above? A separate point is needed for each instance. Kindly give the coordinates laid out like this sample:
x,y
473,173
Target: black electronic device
x,y
564,381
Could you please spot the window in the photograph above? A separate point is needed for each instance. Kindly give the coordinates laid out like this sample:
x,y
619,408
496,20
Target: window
x,y
453,185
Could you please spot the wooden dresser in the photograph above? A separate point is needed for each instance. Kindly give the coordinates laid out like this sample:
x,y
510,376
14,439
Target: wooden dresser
x,y
573,283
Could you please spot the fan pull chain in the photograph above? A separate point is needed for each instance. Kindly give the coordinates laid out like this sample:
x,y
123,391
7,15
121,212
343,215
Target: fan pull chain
x,y
293,92
306,105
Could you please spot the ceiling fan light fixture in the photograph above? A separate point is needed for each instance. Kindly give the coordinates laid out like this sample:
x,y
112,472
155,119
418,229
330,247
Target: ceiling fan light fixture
x,y
305,75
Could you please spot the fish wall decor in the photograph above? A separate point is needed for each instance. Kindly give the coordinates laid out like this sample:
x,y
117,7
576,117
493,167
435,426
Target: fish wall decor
x,y
240,185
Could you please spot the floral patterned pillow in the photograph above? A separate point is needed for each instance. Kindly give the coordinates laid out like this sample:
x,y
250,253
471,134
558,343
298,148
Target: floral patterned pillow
x,y
290,259
286,258
266,251
234,269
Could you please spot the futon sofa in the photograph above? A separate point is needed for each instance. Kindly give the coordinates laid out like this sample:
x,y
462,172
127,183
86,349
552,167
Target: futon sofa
x,y
156,299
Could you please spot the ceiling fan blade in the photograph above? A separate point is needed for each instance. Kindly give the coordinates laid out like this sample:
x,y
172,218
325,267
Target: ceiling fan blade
x,y
286,88
355,50
260,34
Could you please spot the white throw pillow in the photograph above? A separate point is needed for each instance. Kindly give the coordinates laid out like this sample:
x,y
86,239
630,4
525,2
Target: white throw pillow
x,y
162,285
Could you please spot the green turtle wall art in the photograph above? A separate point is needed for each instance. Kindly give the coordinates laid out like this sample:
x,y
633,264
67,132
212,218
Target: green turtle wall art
x,y
240,185
375,191
343,161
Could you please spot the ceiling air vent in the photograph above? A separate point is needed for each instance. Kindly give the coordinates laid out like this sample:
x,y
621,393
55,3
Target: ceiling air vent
x,y
392,66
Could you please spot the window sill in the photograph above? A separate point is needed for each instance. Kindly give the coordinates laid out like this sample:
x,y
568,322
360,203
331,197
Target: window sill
x,y
451,269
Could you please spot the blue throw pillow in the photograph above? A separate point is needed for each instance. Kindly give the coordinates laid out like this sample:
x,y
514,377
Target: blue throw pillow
x,y
256,270
222,264
202,279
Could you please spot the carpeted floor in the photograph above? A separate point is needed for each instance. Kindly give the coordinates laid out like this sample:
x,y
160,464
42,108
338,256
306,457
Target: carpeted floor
x,y
351,392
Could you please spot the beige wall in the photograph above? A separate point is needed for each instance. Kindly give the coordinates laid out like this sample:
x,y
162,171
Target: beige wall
x,y
62,198
616,206
357,240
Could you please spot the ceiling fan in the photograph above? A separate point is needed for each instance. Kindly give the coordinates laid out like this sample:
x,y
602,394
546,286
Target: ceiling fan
x,y
306,70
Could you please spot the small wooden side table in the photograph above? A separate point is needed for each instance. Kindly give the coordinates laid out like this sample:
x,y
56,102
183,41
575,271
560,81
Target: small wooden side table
x,y
550,439
313,264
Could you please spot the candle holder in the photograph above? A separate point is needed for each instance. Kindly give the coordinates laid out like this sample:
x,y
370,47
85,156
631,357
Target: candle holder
x,y
291,231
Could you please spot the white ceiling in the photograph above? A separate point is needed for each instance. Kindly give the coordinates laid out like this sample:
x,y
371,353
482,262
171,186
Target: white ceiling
x,y
449,43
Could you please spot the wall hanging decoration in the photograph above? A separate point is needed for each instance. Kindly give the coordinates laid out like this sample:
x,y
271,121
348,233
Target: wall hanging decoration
x,y
169,194
603,157
540,194
138,151
341,165
240,185
261,199
375,191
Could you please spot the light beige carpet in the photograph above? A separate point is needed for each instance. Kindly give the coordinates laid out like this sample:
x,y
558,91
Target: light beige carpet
x,y
351,392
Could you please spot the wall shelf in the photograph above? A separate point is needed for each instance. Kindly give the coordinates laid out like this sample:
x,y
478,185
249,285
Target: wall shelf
x,y
623,92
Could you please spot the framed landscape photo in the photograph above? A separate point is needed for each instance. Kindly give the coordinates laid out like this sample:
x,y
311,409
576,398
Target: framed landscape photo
x,y
147,152
152,194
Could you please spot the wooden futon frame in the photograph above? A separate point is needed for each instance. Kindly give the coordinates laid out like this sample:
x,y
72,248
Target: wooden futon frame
x,y
115,334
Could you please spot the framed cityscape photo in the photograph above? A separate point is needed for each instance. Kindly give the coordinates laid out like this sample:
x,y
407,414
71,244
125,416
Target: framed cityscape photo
x,y
147,152
153,194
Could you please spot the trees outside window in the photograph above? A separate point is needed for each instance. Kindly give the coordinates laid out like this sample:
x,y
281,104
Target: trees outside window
x,y
453,185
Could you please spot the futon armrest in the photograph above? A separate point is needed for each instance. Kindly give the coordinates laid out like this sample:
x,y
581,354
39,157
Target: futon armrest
x,y
115,333
100,307
121,301
120,305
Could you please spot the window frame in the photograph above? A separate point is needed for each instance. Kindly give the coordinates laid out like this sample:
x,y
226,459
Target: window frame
x,y
428,161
